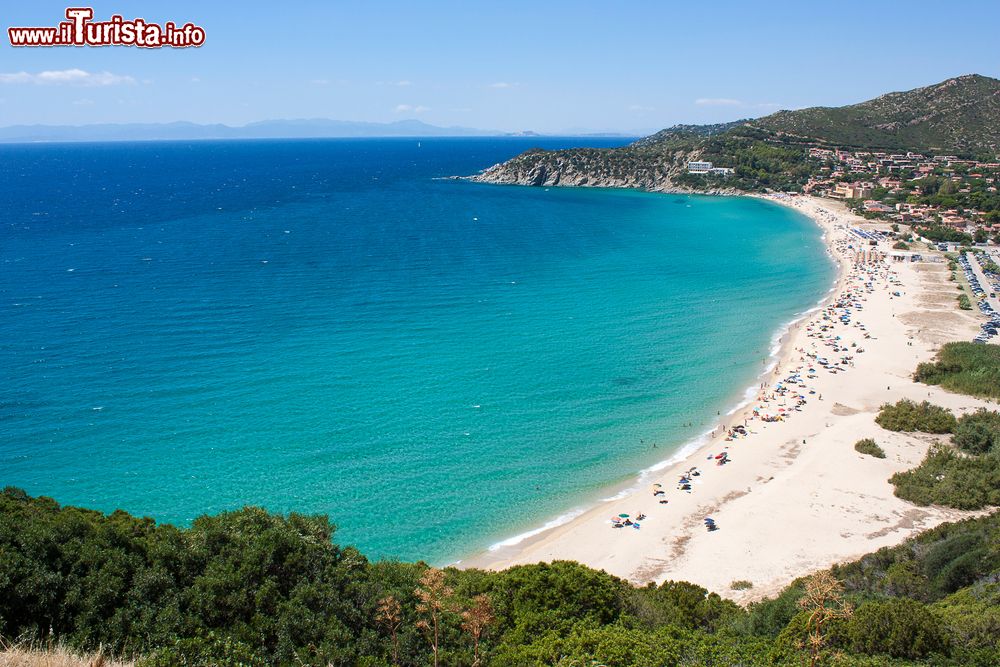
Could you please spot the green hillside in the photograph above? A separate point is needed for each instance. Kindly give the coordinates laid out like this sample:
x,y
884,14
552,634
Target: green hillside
x,y
960,115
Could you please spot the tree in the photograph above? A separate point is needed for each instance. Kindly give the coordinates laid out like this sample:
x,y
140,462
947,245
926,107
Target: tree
x,y
390,616
824,600
475,620
436,600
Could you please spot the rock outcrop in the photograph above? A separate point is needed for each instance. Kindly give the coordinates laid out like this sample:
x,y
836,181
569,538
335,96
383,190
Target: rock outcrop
x,y
627,167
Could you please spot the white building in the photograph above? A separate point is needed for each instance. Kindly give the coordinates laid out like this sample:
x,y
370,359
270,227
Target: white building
x,y
697,167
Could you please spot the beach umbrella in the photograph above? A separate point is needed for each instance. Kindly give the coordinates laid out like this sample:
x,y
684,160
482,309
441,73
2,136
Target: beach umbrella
x,y
624,516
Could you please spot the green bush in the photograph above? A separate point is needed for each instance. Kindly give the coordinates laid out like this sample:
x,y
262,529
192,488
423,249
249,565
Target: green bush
x,y
682,605
965,368
869,447
898,627
972,617
906,415
978,432
963,302
900,245
535,599
947,478
131,586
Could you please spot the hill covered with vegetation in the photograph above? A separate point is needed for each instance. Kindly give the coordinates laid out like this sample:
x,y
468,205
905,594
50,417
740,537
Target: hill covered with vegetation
x,y
253,588
959,116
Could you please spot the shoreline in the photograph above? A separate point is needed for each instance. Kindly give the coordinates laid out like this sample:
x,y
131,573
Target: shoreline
x,y
585,534
777,350
683,453
687,448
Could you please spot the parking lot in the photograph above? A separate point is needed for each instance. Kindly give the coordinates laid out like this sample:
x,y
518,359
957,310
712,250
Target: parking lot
x,y
985,286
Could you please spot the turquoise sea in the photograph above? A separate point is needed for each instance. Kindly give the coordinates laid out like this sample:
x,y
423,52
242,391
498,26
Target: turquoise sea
x,y
330,327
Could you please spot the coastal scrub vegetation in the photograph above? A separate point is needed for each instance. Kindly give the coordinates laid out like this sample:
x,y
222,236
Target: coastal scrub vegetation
x,y
906,415
978,432
964,474
965,368
253,588
869,447
950,478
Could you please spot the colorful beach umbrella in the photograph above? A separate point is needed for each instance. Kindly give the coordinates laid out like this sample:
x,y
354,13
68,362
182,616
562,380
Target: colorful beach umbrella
x,y
624,516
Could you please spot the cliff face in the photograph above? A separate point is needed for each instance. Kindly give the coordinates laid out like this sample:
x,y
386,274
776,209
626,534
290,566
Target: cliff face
x,y
627,167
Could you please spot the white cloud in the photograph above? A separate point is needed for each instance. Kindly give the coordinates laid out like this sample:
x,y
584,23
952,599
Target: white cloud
x,y
320,82
404,108
83,103
639,107
403,83
195,79
502,84
73,77
718,102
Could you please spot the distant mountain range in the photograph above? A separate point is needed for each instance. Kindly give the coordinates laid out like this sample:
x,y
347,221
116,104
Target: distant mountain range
x,y
307,128
957,116
268,129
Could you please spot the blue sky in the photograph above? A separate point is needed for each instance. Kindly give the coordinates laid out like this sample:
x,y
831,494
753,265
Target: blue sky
x,y
548,66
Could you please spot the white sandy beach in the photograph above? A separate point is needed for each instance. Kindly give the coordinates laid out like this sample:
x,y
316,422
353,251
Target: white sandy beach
x,y
795,496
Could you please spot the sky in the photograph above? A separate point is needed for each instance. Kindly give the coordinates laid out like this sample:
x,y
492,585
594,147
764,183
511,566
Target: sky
x,y
548,66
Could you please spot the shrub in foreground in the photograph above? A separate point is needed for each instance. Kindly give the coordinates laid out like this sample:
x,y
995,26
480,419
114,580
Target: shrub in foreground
x,y
898,627
249,588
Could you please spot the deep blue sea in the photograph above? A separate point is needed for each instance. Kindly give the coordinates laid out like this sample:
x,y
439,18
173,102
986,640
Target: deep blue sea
x,y
327,326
